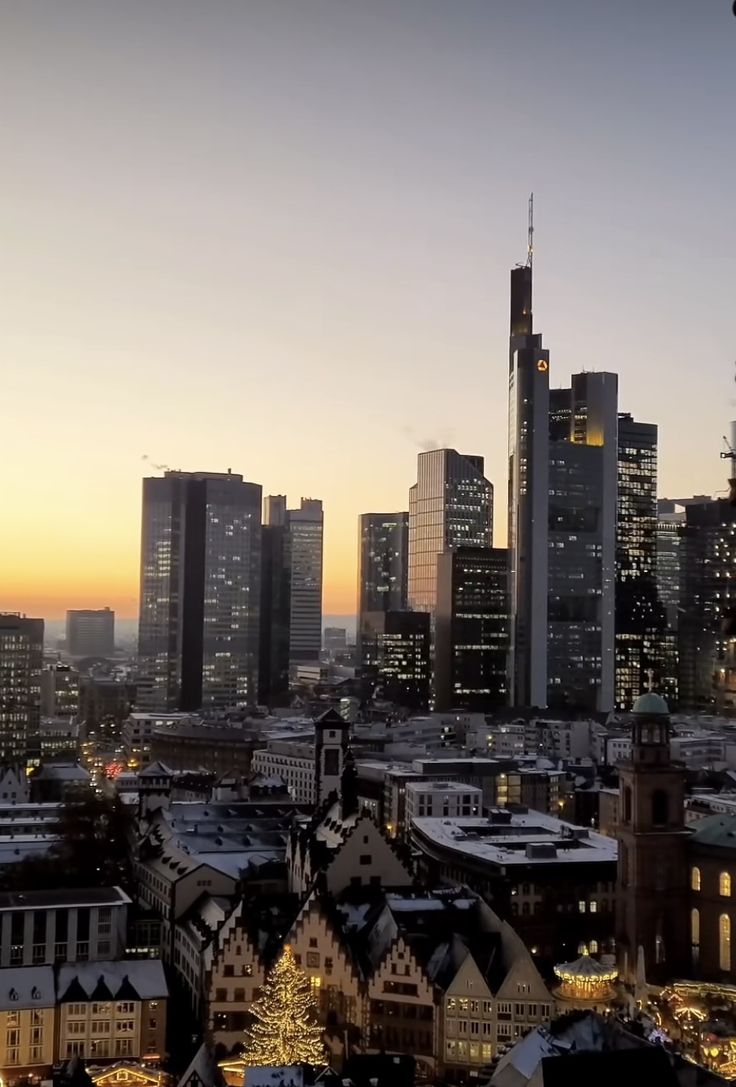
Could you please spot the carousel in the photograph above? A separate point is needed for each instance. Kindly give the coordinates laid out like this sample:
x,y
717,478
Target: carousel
x,y
585,983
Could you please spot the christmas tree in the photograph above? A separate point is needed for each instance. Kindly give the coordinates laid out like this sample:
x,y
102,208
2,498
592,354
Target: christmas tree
x,y
284,1030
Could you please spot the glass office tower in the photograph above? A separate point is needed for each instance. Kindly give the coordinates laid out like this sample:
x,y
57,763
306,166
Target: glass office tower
x,y
200,591
450,505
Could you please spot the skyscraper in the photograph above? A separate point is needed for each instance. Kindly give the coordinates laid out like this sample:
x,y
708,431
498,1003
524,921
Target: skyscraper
x,y
670,519
383,540
90,632
450,505
304,545
200,591
561,523
396,653
528,497
21,661
383,544
582,544
641,643
471,629
273,656
707,606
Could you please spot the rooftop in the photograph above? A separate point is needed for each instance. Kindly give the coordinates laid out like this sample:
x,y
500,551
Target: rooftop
x,y
128,979
516,838
716,830
36,900
27,987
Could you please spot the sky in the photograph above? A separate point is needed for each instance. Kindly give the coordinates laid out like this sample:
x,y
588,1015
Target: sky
x,y
275,236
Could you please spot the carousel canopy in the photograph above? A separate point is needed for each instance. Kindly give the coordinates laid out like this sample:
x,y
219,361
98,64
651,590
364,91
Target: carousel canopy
x,y
585,969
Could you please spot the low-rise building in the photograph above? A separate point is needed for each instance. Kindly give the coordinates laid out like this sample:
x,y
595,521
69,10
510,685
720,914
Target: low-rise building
x,y
553,881
109,1010
45,927
27,1022
137,734
441,799
291,760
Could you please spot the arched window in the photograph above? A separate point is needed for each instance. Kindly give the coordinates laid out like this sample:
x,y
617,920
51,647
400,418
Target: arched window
x,y
695,927
724,942
660,808
695,879
724,885
627,804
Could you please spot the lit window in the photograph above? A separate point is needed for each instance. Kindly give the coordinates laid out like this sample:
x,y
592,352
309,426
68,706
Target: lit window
x,y
724,942
724,885
695,878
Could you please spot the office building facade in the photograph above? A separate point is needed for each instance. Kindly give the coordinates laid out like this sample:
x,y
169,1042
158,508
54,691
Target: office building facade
x,y
383,544
642,658
21,662
90,632
450,505
471,629
396,648
528,498
273,656
581,534
304,545
198,634
707,607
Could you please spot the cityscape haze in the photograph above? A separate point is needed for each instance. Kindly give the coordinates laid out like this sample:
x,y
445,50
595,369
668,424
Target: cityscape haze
x,y
183,239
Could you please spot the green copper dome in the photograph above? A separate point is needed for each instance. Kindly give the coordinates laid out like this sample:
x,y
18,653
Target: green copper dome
x,y
650,705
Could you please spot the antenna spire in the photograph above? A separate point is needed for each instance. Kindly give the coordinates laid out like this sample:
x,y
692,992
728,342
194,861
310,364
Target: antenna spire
x,y
530,243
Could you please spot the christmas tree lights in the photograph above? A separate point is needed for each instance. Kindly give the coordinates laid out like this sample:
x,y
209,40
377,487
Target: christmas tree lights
x,y
284,1030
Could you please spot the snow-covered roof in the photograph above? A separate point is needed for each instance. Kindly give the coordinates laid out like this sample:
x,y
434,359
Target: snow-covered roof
x,y
516,839
26,987
141,977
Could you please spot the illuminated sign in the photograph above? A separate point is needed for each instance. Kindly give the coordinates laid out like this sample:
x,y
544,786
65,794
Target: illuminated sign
x,y
542,366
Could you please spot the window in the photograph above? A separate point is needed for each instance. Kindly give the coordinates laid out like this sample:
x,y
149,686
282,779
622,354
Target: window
x,y
239,996
581,906
100,1026
462,1027
485,1052
101,1009
504,1009
123,1047
228,971
366,858
488,1007
695,935
724,942
76,1027
125,1007
695,878
313,941
13,1037
593,947
125,1026
313,959
627,804
12,1056
724,885
660,808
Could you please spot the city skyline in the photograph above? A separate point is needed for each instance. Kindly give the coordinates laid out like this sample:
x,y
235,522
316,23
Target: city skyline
x,y
183,286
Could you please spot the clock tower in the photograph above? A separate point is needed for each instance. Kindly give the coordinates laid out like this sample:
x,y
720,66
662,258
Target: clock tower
x,y
652,897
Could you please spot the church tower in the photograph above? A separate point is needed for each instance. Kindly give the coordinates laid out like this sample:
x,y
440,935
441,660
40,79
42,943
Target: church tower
x,y
331,737
652,904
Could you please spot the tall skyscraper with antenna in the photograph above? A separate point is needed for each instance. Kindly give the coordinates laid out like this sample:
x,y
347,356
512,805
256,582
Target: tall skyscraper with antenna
x,y
528,491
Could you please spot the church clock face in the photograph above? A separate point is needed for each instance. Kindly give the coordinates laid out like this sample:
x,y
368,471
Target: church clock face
x,y
542,366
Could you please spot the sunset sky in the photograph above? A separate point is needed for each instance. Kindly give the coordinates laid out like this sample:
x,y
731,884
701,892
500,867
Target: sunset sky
x,y
275,236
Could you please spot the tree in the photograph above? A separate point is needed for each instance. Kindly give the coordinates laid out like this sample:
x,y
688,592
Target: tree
x,y
284,1030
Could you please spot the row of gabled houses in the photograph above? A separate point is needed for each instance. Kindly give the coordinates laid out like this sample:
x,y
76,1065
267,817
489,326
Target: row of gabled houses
x,y
394,967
